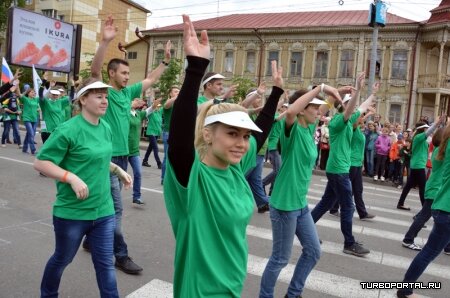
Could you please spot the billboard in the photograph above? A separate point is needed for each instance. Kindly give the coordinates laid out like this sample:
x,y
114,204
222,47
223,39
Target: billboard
x,y
36,39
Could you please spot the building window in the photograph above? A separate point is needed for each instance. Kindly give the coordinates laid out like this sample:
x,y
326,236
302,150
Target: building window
x,y
159,56
321,64
51,13
377,65
273,55
399,65
296,64
29,2
251,62
346,66
229,61
58,74
395,113
211,61
132,55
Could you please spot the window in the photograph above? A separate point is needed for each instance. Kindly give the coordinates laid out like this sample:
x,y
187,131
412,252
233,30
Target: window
x,y
377,65
399,65
132,55
159,56
52,13
58,74
395,113
229,61
29,2
296,64
346,65
251,62
321,65
211,61
273,55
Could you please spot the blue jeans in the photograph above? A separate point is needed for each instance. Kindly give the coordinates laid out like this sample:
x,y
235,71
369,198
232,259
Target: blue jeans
x,y
369,160
120,247
254,180
419,220
165,136
29,137
439,238
152,146
68,236
275,160
286,224
135,162
339,188
7,126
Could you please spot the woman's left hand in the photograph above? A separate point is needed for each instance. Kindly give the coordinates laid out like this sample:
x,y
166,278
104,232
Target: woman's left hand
x,y
124,177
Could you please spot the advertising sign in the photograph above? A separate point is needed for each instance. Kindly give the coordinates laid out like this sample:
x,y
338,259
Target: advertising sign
x,y
41,41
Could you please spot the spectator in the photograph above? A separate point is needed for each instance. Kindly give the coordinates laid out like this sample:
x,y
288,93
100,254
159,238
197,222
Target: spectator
x,y
371,137
324,143
382,146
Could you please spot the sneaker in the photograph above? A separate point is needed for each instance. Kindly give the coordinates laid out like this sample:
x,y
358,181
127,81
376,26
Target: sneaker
x,y
146,164
264,208
447,251
159,166
411,246
127,265
403,208
3,146
382,178
286,296
138,202
399,186
356,249
368,216
375,178
337,213
20,146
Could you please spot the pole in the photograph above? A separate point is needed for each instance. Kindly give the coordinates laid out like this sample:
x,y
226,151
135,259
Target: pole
x,y
373,56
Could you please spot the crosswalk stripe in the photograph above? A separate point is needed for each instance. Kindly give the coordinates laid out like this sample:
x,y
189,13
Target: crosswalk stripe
x,y
377,257
154,289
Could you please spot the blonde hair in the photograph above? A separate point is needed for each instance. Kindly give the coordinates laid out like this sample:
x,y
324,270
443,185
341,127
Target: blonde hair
x,y
208,109
84,83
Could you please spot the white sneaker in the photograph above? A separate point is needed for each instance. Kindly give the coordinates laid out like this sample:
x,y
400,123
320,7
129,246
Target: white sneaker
x,y
382,178
375,178
399,187
3,146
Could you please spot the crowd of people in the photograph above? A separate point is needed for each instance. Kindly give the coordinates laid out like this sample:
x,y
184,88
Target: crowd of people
x,y
214,151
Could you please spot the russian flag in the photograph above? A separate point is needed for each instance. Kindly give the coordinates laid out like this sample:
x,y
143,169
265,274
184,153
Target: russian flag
x,y
7,74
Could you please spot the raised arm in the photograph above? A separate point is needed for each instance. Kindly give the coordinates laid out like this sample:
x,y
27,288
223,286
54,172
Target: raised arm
x,y
155,74
435,125
355,96
181,150
252,97
109,33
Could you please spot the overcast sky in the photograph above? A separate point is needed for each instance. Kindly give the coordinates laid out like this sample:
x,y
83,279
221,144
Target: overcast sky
x,y
168,12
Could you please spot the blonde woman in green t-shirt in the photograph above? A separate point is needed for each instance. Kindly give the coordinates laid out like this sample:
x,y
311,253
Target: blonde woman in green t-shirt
x,y
83,203
207,197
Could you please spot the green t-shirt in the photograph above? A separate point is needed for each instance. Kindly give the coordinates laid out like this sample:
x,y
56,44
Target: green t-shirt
x,y
299,153
357,146
118,115
85,150
134,136
442,198
154,126
201,99
434,182
341,133
67,108
274,134
53,112
419,151
30,108
10,116
167,115
209,219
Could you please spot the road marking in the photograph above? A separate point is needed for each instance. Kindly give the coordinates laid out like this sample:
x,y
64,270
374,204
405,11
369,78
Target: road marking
x,y
375,188
152,190
16,160
377,257
4,242
154,289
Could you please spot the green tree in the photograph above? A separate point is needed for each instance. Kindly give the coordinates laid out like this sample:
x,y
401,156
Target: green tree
x,y
242,89
86,72
170,77
4,6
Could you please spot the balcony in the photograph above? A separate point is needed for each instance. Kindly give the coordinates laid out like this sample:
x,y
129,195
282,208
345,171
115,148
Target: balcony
x,y
431,81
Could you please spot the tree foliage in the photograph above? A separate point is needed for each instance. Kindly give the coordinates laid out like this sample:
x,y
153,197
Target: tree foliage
x,y
242,89
86,72
4,6
170,77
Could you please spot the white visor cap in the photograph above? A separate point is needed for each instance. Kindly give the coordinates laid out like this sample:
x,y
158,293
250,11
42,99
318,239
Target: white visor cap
x,y
95,85
423,126
347,97
317,101
216,76
236,118
55,92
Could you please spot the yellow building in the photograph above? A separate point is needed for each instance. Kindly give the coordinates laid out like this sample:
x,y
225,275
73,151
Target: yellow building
x,y
329,47
90,14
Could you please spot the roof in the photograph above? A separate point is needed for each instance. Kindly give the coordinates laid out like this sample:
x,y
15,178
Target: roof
x,y
441,13
287,20
134,4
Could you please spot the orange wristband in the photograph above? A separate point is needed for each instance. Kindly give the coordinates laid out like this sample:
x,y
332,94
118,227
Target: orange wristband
x,y
64,178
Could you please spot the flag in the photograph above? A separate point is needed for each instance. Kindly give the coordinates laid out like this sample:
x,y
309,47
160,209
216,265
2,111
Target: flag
x,y
36,81
7,74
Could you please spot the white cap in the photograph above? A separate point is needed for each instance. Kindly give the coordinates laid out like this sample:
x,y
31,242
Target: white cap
x,y
423,126
317,101
347,97
55,92
286,105
216,76
236,118
95,85
61,90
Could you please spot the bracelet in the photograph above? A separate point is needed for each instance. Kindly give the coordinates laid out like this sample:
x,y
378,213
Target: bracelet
x,y
322,87
64,178
165,63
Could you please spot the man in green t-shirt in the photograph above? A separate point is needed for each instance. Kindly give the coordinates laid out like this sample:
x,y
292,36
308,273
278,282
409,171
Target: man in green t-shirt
x,y
213,89
118,118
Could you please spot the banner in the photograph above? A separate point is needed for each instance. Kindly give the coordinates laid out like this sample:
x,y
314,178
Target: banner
x,y
36,81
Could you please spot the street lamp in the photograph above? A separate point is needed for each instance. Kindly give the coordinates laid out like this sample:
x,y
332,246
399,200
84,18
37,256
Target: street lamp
x,y
141,37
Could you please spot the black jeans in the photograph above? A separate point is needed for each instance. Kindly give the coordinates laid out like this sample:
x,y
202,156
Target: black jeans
x,y
381,164
416,178
419,220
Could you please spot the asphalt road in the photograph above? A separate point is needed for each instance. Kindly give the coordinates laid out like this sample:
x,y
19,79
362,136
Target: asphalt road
x,y
27,241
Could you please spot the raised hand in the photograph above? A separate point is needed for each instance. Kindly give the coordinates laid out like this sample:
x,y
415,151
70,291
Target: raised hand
x,y
231,91
17,74
192,46
167,48
277,73
261,88
375,87
156,103
109,29
360,80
